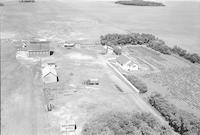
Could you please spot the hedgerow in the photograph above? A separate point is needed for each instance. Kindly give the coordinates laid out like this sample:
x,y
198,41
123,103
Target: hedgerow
x,y
182,122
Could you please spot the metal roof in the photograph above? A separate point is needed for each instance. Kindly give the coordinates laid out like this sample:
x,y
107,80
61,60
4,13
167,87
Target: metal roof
x,y
122,59
46,70
38,46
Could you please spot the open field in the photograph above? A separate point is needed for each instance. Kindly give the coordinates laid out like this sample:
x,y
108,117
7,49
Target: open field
x,y
22,110
22,98
176,23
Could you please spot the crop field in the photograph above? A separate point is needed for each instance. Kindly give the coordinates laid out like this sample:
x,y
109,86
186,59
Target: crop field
x,y
176,79
182,85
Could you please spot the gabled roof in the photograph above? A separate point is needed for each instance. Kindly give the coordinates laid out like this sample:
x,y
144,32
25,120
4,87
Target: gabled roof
x,y
122,59
38,46
47,70
132,64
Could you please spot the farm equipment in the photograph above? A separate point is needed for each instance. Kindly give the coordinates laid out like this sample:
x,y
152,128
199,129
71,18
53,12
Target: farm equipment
x,y
68,128
68,45
49,107
92,82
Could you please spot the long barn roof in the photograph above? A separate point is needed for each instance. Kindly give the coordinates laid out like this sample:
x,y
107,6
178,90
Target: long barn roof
x,y
38,46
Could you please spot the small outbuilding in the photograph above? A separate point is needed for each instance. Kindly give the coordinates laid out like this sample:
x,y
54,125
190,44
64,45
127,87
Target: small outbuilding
x,y
68,45
126,63
49,75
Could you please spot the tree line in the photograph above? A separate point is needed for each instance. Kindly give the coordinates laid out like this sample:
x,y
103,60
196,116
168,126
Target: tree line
x,y
125,124
182,122
150,41
140,3
141,86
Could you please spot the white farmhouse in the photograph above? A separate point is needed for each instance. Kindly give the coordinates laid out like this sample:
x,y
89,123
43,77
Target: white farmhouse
x,y
126,63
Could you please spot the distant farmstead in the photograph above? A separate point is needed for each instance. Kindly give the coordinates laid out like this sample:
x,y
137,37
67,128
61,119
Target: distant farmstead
x,y
126,63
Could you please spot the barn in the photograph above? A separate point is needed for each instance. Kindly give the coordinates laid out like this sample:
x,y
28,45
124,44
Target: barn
x,y
49,75
38,48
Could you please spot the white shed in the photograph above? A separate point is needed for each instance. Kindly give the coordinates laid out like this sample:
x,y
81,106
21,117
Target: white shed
x,y
49,75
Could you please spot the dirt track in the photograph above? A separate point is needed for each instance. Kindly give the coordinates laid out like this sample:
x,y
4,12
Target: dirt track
x,y
22,109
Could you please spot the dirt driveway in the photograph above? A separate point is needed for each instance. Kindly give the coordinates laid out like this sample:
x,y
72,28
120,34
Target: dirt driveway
x,y
22,111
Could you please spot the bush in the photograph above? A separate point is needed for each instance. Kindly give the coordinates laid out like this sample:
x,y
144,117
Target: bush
x,y
117,50
182,122
1,4
194,58
137,83
125,124
159,46
179,51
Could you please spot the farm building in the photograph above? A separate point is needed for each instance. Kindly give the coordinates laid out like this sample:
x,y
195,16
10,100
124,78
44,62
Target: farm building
x,y
108,49
38,48
49,75
126,63
35,48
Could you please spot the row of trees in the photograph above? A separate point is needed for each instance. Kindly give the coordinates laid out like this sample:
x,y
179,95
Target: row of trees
x,y
1,4
139,3
182,122
142,87
124,39
125,124
194,58
150,41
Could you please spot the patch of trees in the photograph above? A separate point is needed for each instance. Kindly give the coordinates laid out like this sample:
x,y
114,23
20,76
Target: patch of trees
x,y
125,124
124,39
150,41
194,58
1,4
142,87
140,3
182,122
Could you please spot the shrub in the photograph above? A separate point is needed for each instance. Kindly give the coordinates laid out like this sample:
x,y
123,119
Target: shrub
x,y
125,124
159,46
137,83
194,58
1,4
179,51
117,50
182,122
